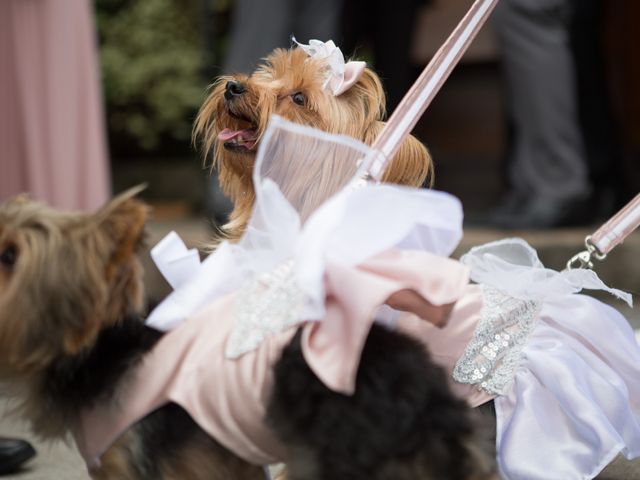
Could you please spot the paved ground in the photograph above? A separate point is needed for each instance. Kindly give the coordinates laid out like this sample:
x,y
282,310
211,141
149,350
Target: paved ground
x,y
53,462
61,462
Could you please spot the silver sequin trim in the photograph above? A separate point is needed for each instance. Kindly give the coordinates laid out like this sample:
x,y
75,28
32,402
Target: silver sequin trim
x,y
266,305
492,356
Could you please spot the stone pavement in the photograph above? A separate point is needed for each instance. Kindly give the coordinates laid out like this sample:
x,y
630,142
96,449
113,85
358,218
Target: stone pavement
x,y
57,461
622,270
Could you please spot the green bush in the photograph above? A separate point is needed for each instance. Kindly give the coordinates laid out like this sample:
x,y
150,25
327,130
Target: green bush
x,y
152,59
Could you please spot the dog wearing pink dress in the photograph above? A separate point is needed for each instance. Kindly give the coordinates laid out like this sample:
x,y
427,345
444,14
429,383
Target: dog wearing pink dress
x,y
301,343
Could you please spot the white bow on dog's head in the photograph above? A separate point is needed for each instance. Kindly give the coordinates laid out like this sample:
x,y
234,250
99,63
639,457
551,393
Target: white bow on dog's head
x,y
342,76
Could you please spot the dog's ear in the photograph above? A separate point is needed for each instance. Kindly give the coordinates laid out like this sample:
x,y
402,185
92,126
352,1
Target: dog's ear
x,y
412,164
114,240
369,89
352,73
122,222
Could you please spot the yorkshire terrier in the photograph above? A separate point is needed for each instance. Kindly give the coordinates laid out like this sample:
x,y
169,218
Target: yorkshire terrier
x,y
72,334
290,84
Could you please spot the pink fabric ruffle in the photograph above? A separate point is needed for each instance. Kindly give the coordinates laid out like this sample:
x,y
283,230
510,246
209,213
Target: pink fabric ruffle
x,y
332,347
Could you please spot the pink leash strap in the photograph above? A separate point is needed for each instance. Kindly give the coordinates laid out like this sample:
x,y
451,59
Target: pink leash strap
x,y
609,235
426,87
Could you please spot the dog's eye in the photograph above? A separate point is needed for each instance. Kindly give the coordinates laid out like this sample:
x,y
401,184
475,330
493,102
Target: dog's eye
x,y
298,98
9,256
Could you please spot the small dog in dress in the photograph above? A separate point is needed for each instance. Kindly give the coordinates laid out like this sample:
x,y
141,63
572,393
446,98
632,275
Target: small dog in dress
x,y
72,339
293,84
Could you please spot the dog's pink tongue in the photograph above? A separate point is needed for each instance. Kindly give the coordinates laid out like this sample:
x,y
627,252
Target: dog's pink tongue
x,y
228,134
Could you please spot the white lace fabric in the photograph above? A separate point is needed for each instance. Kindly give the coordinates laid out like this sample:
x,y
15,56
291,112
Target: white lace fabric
x,y
490,359
266,305
515,285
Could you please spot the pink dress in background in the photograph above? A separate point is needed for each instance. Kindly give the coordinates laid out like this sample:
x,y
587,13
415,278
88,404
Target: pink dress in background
x,y
52,132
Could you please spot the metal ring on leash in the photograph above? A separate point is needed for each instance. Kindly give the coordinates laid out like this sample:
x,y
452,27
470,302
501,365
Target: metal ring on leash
x,y
593,250
584,258
608,236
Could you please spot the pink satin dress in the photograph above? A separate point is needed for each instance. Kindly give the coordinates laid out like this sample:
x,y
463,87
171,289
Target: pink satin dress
x,y
227,397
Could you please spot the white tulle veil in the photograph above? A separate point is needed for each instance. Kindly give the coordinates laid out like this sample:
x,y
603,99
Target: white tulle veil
x,y
313,206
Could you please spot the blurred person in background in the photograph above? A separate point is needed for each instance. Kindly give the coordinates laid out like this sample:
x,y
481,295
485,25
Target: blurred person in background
x,y
387,27
259,26
549,57
51,122
600,131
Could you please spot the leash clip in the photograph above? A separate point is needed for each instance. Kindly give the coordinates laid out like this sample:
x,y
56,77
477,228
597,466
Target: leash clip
x,y
583,259
580,260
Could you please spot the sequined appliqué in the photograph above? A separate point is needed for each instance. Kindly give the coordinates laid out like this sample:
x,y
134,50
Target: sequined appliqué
x,y
490,359
267,304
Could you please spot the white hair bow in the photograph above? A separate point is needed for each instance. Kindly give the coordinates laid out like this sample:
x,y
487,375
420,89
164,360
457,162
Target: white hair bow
x,y
342,76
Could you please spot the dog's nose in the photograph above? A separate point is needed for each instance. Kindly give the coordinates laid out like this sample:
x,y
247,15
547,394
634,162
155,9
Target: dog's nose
x,y
233,89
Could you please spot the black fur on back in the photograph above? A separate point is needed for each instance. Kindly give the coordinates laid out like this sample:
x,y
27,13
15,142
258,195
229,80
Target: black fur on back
x,y
164,433
402,413
77,382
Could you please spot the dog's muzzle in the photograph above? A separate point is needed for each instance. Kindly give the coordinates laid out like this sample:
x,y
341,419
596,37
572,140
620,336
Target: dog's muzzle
x,y
233,89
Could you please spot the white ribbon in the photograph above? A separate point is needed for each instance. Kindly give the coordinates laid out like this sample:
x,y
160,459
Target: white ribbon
x,y
176,263
208,281
337,231
341,76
